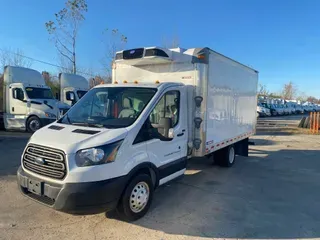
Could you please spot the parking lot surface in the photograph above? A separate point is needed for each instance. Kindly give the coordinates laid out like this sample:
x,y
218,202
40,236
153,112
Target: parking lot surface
x,y
273,194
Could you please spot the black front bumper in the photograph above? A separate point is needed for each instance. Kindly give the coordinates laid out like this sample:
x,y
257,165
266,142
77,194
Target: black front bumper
x,y
75,198
46,121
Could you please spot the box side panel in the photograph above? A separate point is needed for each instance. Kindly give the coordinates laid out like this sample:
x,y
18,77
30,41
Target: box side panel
x,y
231,102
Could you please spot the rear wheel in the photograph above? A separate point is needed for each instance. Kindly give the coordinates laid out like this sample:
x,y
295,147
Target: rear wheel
x,y
33,124
136,199
226,156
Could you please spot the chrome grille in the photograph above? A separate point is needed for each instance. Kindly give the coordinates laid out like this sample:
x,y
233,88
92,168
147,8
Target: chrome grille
x,y
45,161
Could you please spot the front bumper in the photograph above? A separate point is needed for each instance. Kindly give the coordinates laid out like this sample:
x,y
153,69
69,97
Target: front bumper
x,y
46,121
75,198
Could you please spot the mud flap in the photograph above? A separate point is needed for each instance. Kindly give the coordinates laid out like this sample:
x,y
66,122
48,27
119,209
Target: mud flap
x,y
242,147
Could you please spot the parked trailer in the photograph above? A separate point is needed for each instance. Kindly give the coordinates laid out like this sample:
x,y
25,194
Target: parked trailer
x,y
122,140
72,88
27,102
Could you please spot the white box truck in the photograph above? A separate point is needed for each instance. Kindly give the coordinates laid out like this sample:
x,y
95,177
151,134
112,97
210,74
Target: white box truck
x,y
27,102
72,87
123,140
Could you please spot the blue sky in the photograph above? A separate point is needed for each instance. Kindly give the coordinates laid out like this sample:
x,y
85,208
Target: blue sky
x,y
280,38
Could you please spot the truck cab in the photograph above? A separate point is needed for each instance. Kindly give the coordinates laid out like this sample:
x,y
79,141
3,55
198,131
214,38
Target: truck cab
x,y
72,88
28,103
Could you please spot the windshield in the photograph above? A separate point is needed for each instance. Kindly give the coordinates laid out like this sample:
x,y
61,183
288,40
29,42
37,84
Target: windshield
x,y
81,93
113,107
39,93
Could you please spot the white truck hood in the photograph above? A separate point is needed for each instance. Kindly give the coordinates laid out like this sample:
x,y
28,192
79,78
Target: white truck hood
x,y
70,142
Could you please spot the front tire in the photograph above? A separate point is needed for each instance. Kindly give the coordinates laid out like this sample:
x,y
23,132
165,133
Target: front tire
x,y
137,198
33,124
227,156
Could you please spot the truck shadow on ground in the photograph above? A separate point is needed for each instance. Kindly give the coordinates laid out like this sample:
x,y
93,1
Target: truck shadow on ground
x,y
268,195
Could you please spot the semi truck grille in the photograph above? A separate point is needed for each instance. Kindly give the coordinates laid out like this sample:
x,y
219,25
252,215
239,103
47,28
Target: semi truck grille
x,y
45,161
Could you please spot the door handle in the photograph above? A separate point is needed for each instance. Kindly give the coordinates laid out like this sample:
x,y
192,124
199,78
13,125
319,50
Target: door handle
x,y
12,109
180,134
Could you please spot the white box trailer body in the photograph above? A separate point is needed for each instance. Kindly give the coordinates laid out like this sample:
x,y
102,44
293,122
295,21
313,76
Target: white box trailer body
x,y
72,86
28,103
228,90
122,140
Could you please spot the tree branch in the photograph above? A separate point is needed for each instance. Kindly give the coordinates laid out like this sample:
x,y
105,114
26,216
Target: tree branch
x,y
63,54
64,46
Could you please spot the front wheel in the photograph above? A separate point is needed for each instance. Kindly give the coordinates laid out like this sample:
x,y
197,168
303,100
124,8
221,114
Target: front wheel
x,y
136,199
33,124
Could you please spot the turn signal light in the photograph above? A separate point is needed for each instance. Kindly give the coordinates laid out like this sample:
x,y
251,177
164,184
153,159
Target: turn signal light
x,y
157,82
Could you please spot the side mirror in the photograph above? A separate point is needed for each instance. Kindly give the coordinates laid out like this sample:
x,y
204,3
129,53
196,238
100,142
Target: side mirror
x,y
166,124
70,96
171,133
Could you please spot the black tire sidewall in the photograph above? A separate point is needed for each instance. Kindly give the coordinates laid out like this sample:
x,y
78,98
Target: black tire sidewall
x,y
223,155
28,123
227,155
124,206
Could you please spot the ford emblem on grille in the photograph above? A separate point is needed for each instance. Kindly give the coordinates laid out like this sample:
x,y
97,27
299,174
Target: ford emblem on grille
x,y
39,160
132,51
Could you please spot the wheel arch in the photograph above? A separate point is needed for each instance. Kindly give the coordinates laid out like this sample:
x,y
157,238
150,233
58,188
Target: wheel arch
x,y
147,168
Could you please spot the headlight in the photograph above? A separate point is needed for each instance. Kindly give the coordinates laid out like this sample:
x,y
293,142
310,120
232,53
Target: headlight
x,y
98,155
50,115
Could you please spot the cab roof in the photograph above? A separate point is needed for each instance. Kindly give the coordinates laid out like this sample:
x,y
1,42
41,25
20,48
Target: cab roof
x,y
141,85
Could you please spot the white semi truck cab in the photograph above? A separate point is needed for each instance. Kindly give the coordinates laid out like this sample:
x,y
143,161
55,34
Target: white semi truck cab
x,y
121,141
72,88
28,103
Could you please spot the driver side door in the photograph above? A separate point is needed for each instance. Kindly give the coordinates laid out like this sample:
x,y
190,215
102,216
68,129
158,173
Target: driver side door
x,y
18,104
168,151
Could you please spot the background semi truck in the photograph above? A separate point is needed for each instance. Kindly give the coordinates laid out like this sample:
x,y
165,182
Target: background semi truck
x,y
122,140
72,87
27,102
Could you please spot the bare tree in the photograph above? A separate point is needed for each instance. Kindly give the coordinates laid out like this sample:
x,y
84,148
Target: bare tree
x,y
64,30
289,91
113,41
302,97
262,91
14,58
173,42
96,81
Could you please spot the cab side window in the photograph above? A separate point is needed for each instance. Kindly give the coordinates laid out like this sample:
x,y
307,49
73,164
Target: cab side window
x,y
167,107
18,94
164,116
